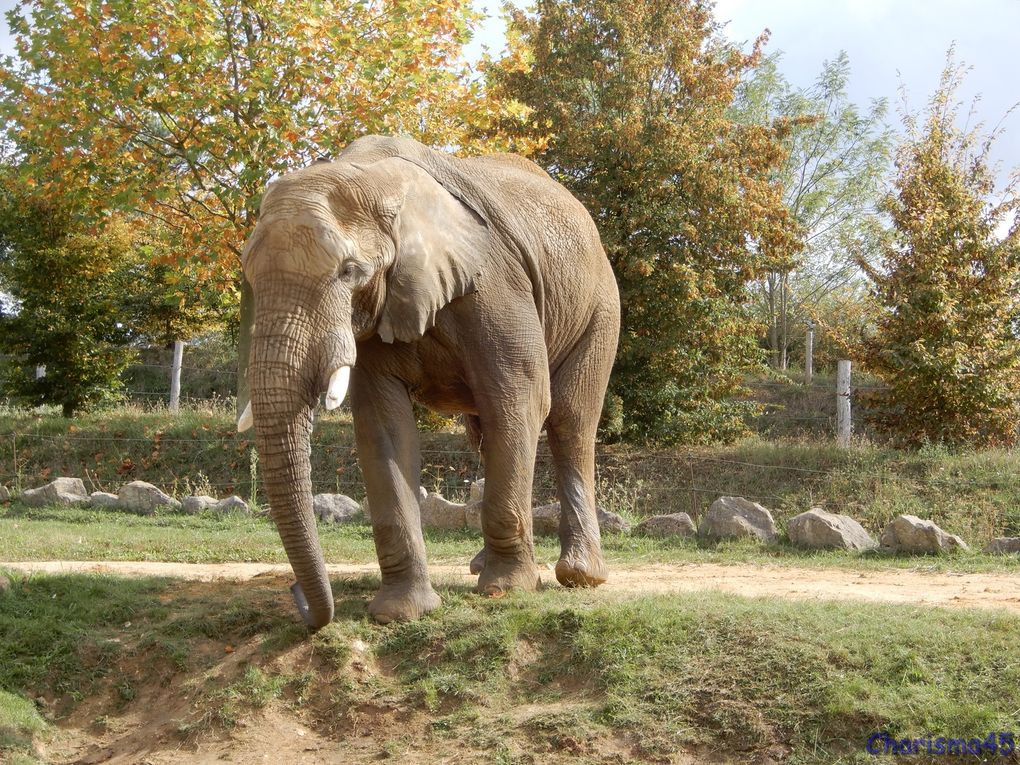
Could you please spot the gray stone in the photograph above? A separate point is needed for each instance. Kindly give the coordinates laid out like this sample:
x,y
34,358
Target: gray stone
x,y
821,530
60,491
736,517
609,521
234,504
473,515
335,508
145,499
1003,546
545,519
666,526
5,494
910,534
197,504
103,499
477,490
438,512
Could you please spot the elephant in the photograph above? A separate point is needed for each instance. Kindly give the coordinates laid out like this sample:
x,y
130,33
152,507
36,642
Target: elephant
x,y
473,285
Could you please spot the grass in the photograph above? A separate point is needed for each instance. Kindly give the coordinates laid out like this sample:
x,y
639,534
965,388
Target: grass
x,y
973,494
516,678
70,533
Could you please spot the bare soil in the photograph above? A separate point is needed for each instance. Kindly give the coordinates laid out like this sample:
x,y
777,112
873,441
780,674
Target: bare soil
x,y
147,732
986,590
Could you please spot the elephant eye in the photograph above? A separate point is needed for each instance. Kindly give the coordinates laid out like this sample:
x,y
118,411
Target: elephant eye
x,y
347,271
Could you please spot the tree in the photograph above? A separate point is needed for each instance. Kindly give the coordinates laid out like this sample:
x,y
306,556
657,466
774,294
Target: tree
x,y
833,180
69,287
947,343
633,100
185,110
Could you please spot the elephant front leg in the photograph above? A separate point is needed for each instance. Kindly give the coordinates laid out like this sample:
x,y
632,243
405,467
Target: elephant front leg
x,y
390,459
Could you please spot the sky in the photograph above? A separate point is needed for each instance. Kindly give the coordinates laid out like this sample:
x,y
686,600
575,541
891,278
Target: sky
x,y
891,43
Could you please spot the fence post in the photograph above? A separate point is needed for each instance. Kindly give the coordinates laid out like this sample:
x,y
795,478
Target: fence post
x,y
175,376
843,423
809,349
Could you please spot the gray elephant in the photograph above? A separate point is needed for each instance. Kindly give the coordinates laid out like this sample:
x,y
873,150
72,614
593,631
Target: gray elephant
x,y
474,285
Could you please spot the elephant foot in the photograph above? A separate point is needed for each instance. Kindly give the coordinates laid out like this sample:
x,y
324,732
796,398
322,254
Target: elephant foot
x,y
580,567
500,575
403,602
478,562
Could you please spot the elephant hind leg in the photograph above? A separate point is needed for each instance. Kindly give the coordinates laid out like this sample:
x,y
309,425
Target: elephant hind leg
x,y
578,388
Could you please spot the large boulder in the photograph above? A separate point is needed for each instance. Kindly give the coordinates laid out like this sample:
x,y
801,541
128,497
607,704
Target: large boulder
x,y
60,491
437,512
144,499
1003,546
335,508
821,530
477,490
545,519
736,517
103,499
234,504
197,504
667,526
473,515
910,534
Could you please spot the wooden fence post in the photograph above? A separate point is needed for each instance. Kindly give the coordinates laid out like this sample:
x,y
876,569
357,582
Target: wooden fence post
x,y
843,422
175,376
809,350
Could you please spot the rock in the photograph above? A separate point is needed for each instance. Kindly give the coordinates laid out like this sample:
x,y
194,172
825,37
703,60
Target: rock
x,y
234,504
821,530
145,499
477,489
667,526
335,508
5,494
1003,546
736,517
545,519
61,491
908,533
196,504
103,499
609,521
438,512
473,515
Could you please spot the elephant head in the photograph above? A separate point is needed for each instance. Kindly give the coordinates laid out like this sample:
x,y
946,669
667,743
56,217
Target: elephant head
x,y
341,251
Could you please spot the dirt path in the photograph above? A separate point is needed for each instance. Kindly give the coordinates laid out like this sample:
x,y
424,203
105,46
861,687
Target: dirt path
x,y
991,591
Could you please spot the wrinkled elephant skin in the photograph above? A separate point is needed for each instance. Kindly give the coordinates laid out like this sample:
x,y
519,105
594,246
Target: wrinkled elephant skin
x,y
472,285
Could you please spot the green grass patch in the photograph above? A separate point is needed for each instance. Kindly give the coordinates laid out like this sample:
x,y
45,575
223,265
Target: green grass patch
x,y
71,533
550,671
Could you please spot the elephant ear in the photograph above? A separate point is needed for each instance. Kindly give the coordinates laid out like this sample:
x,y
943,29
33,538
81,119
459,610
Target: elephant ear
x,y
441,244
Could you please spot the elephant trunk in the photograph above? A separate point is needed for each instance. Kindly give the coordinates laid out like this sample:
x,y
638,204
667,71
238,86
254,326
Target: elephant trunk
x,y
284,390
285,452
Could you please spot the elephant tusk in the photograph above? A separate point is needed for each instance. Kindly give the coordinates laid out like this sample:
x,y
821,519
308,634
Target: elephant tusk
x,y
246,420
337,390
